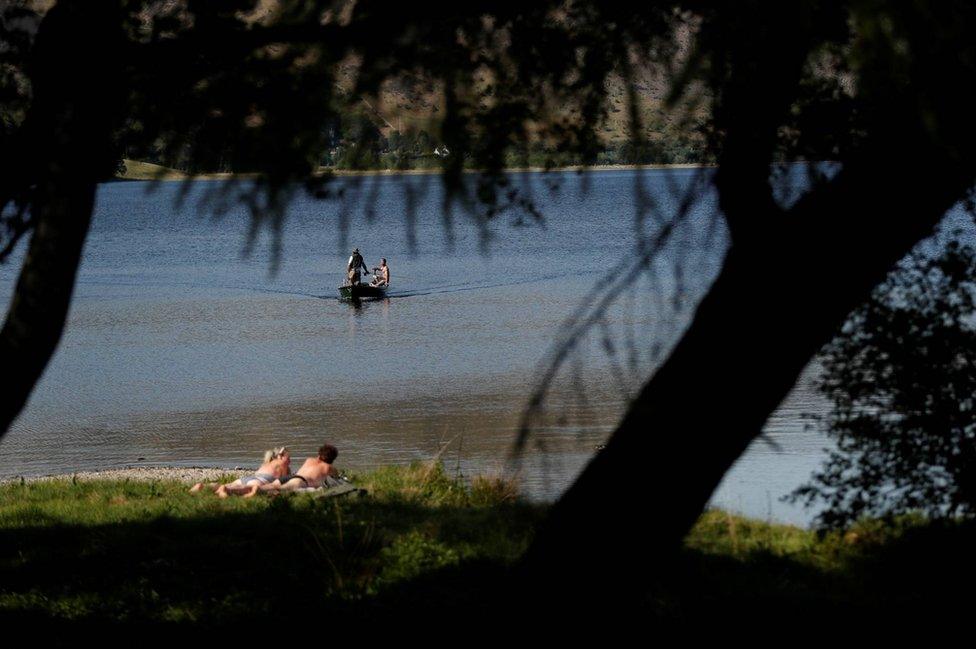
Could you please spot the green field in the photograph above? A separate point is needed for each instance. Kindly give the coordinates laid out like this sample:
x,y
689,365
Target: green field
x,y
421,543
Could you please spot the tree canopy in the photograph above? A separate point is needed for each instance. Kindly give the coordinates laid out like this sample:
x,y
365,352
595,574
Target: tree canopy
x,y
883,90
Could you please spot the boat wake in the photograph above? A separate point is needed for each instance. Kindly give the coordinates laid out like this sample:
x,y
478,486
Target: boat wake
x,y
460,288
331,295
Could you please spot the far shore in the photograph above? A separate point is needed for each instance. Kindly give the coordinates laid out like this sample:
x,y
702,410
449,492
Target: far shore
x,y
136,170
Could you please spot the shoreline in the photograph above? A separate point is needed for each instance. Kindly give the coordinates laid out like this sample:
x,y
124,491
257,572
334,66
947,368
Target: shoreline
x,y
166,174
188,474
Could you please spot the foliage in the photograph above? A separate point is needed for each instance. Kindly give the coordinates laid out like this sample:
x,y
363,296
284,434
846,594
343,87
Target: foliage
x,y
902,381
17,24
262,88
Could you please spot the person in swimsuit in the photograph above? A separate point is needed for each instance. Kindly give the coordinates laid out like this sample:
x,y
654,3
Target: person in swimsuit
x,y
277,462
317,471
381,274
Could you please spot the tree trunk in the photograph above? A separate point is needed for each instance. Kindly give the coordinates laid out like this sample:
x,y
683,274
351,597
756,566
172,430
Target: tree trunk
x,y
42,296
67,148
777,300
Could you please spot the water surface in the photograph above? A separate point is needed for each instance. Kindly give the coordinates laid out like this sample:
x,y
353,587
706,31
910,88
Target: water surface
x,y
181,349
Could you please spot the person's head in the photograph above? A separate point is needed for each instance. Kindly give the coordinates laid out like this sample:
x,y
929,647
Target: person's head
x,y
276,453
383,261
355,251
328,453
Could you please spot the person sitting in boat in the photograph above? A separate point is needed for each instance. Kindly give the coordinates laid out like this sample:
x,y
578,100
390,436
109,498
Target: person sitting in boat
x,y
381,274
355,262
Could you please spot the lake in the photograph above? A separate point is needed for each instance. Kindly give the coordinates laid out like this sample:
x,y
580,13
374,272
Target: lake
x,y
184,348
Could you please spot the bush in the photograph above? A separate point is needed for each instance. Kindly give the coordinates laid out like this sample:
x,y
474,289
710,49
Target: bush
x,y
901,377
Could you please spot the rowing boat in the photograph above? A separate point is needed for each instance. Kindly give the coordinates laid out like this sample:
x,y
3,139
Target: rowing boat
x,y
361,291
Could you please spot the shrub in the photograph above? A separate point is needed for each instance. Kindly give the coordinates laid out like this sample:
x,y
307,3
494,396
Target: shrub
x,y
901,377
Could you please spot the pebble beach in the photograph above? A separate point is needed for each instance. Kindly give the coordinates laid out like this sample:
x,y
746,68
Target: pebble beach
x,y
143,474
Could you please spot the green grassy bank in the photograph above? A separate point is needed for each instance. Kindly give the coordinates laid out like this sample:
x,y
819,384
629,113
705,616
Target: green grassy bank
x,y
421,541
150,551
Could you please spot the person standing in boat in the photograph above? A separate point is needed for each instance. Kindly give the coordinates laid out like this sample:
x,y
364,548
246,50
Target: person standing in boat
x,y
355,262
381,274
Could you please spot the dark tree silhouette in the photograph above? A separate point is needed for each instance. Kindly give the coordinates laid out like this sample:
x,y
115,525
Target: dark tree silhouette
x,y
883,90
901,381
791,274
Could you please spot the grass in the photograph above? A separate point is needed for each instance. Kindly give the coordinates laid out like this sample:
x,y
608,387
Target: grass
x,y
881,573
422,543
140,551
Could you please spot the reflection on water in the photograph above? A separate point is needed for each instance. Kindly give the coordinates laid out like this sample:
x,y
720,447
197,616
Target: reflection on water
x,y
179,350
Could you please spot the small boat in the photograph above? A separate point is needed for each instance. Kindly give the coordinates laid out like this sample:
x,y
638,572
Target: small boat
x,y
361,291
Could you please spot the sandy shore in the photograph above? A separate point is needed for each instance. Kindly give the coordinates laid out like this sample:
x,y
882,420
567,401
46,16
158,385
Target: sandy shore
x,y
190,474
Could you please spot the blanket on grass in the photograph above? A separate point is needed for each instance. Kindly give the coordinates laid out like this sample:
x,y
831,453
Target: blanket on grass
x,y
332,489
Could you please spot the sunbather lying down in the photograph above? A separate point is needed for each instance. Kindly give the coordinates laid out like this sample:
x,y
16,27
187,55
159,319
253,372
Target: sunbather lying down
x,y
317,471
274,475
277,463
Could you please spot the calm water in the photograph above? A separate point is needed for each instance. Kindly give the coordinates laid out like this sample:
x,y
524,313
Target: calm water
x,y
181,349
